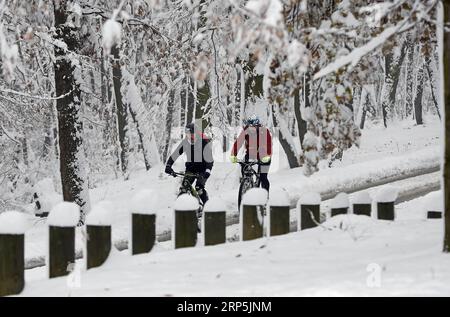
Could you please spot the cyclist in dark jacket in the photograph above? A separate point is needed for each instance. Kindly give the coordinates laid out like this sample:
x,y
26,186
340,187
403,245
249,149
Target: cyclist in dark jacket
x,y
199,159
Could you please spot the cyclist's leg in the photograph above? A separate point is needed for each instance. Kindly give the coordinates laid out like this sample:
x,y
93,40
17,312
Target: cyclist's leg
x,y
186,184
200,188
263,171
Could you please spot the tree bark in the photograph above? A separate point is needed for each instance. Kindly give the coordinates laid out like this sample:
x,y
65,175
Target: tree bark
x,y
169,119
203,96
121,111
431,79
446,92
301,124
287,147
70,126
419,96
392,75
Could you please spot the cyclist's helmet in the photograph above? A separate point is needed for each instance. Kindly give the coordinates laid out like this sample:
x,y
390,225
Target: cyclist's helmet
x,y
253,120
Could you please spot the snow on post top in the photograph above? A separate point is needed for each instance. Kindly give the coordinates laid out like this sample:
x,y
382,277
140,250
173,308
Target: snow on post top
x,y
100,215
144,202
215,204
186,202
255,197
340,201
13,222
278,197
111,34
64,214
310,198
362,198
434,201
386,194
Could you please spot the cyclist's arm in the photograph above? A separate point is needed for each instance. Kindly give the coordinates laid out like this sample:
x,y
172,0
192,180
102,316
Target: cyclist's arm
x,y
208,157
238,143
269,143
176,154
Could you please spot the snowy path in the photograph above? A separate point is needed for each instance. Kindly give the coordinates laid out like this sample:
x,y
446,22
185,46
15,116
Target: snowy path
x,y
350,259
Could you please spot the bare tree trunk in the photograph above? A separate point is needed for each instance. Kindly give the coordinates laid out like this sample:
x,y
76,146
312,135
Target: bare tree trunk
x,y
70,126
287,147
392,75
121,111
301,124
419,96
431,79
203,96
190,103
364,111
446,92
409,78
169,119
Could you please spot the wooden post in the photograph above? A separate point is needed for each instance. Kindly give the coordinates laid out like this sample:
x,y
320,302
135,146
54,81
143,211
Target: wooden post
x,y
12,252
98,245
279,220
252,214
362,204
385,199
214,222
434,214
62,221
143,221
279,212
61,250
306,219
98,230
143,233
339,205
185,221
386,210
308,211
214,227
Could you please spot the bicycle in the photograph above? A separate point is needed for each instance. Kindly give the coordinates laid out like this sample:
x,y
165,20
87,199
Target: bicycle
x,y
188,188
249,179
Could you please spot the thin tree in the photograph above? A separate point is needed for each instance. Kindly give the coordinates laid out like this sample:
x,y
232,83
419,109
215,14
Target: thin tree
x,y
446,88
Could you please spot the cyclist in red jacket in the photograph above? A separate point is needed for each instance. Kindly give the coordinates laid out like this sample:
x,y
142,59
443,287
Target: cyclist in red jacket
x,y
258,146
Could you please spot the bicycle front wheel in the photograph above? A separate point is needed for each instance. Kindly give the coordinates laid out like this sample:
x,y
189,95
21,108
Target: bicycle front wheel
x,y
245,185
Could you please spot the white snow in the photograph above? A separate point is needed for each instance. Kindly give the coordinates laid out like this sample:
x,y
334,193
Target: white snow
x,y
13,222
296,264
384,154
144,202
111,34
255,197
278,197
271,11
64,214
386,194
186,202
362,197
355,56
310,198
100,215
434,202
215,204
340,201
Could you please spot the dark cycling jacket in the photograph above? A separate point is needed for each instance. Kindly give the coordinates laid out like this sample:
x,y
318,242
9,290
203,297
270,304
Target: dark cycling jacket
x,y
258,142
199,156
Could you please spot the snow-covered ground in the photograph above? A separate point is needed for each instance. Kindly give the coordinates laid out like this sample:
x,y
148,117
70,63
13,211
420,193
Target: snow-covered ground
x,y
383,153
350,255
